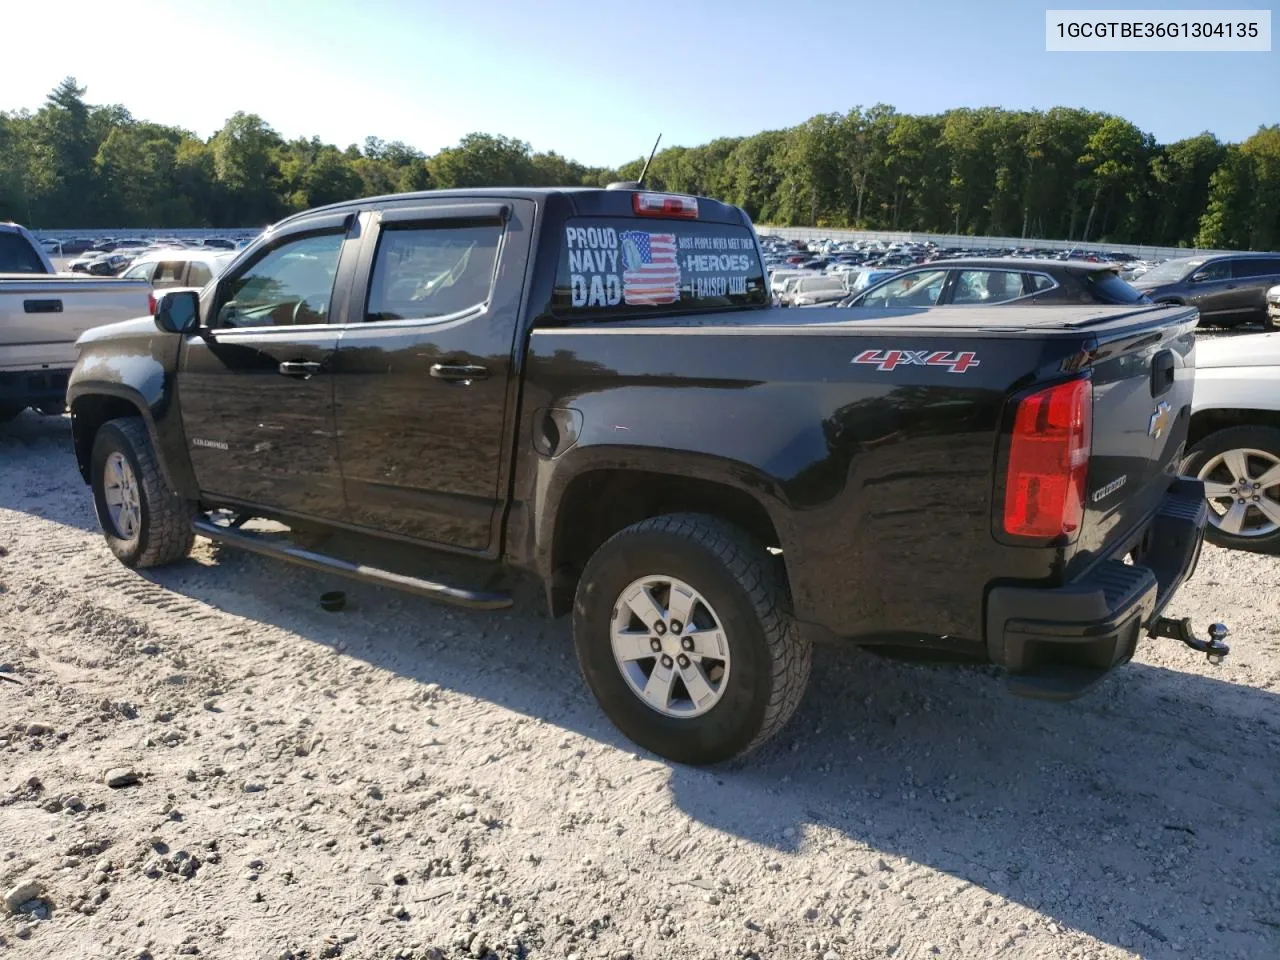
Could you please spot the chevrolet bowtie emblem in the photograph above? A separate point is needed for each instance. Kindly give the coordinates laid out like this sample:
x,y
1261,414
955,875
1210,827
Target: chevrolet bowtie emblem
x,y
1159,420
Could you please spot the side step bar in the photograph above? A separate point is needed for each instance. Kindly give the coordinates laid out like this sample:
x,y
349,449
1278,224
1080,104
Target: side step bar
x,y
270,547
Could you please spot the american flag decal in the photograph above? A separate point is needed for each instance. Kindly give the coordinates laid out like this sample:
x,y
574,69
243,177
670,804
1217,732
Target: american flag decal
x,y
650,273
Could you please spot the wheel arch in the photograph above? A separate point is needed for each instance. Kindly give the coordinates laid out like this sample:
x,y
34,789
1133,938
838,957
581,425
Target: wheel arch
x,y
1204,423
597,502
90,410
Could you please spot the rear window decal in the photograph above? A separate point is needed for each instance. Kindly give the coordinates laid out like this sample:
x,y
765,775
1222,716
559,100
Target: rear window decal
x,y
632,264
652,275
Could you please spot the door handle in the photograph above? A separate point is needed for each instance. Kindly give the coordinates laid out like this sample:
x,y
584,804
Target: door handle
x,y
462,373
300,368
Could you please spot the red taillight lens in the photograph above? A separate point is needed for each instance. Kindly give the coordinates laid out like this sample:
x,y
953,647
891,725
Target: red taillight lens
x,y
1048,462
151,304
664,205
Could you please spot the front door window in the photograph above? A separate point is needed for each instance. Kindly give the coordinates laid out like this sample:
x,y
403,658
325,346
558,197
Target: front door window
x,y
290,286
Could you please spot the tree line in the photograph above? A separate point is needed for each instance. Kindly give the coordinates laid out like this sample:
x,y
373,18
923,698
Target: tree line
x,y
1063,173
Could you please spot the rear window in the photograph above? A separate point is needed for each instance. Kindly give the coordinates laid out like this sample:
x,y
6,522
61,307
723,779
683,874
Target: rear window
x,y
16,255
618,267
1107,287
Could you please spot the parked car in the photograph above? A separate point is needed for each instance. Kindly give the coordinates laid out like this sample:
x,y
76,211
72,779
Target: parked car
x,y
1227,290
178,268
41,315
110,264
1235,439
810,290
1273,308
546,380
991,281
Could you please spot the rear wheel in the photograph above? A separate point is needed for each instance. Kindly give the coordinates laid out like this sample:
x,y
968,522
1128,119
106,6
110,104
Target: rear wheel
x,y
1240,467
684,634
146,524
9,411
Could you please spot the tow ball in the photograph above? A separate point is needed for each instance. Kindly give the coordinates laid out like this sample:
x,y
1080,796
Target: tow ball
x,y
1213,648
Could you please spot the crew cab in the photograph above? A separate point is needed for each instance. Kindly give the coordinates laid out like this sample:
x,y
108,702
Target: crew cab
x,y
41,315
591,388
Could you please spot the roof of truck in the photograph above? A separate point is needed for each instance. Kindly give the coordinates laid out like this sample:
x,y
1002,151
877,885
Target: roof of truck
x,y
586,201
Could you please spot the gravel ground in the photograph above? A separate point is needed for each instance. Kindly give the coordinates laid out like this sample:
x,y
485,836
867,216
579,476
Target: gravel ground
x,y
200,761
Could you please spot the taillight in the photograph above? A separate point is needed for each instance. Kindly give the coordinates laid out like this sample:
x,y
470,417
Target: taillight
x,y
1048,462
664,205
151,304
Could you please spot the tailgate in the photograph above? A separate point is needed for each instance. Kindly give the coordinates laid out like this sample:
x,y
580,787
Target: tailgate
x,y
1143,375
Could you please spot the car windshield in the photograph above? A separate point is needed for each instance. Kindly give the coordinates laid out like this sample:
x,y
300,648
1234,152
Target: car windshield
x,y
1170,271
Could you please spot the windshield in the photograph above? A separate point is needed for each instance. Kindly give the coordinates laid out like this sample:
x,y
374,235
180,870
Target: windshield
x,y
16,255
1170,271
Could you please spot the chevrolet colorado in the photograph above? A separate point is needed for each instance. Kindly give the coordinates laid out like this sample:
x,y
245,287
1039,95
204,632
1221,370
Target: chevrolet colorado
x,y
591,387
41,315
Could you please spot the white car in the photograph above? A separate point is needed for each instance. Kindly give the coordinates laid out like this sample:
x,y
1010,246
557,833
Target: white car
x,y
1234,440
179,267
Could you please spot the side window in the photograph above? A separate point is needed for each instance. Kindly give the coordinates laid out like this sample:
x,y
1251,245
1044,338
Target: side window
x,y
919,288
1256,267
141,271
1213,271
198,274
289,285
987,286
421,272
168,274
1040,282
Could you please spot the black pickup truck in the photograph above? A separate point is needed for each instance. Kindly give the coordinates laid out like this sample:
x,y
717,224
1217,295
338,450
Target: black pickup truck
x,y
591,387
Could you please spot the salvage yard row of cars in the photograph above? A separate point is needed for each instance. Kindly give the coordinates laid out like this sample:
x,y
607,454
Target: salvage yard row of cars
x,y
541,351
1228,290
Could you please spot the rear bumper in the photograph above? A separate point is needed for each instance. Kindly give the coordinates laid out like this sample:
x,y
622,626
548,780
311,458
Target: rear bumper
x,y
33,387
1058,642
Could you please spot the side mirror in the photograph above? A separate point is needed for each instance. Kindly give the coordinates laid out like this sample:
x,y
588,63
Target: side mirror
x,y
178,311
1199,277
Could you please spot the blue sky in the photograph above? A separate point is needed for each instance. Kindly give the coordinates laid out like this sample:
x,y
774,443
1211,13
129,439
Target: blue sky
x,y
597,81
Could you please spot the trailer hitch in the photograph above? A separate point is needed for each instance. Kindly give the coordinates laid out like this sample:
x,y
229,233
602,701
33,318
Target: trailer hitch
x,y
1213,648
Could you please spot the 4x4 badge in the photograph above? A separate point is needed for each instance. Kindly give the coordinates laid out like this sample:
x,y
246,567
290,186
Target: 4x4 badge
x,y
954,361
1159,420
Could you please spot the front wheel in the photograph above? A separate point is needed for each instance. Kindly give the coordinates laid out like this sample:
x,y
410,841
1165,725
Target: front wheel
x,y
145,523
1240,467
684,633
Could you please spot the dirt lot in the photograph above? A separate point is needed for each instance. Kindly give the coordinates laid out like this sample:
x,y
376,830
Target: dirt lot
x,y
400,780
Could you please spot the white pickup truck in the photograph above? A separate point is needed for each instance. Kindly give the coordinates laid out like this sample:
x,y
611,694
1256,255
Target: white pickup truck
x,y
42,314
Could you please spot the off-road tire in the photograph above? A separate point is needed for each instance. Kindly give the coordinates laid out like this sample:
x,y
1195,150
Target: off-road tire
x,y
746,586
165,534
1220,441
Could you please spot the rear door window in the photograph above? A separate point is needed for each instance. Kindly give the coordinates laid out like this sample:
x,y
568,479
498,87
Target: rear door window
x,y
198,274
986,286
1256,267
614,267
